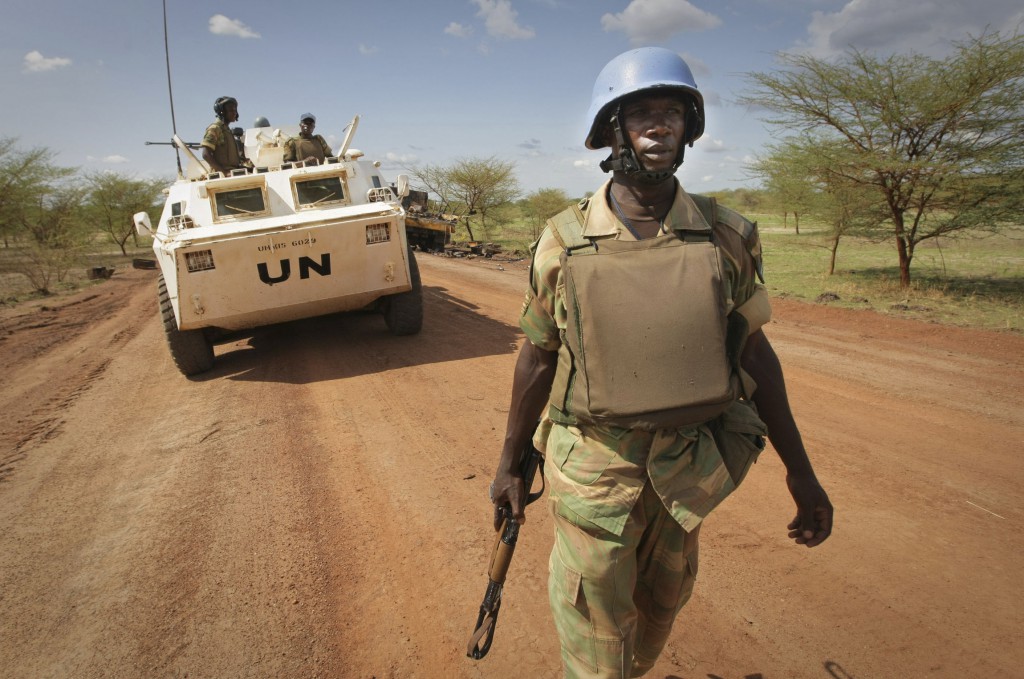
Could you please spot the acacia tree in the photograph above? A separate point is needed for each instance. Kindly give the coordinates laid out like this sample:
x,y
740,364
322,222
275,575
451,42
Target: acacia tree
x,y
57,232
476,185
788,180
113,199
543,204
25,176
935,141
434,179
800,175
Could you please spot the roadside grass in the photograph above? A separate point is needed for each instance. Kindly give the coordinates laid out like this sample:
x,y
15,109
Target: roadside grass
x,y
15,287
973,280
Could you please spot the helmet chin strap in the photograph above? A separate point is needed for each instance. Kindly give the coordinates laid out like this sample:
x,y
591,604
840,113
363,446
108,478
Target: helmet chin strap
x,y
628,164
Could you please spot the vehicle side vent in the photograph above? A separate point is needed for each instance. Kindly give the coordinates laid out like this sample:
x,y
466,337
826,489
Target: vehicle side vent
x,y
200,260
381,195
378,233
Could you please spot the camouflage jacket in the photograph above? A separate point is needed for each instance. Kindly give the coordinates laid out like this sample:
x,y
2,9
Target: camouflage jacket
x,y
600,471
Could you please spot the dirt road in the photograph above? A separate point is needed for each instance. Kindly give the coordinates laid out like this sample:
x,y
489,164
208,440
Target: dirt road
x,y
316,506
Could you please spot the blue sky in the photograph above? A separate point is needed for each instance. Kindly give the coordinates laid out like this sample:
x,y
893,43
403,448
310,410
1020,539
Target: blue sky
x,y
432,81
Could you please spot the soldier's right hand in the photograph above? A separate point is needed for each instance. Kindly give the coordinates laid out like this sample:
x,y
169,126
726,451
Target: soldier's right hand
x,y
507,489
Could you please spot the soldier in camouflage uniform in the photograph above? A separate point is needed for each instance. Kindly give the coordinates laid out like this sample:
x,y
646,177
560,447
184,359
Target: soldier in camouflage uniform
x,y
650,375
220,150
308,147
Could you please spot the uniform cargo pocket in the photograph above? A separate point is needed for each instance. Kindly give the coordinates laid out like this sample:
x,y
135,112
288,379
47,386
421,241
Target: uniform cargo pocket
x,y
570,612
581,461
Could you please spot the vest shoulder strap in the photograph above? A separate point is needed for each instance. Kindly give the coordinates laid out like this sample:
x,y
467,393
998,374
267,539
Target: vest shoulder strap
x,y
719,214
747,230
567,229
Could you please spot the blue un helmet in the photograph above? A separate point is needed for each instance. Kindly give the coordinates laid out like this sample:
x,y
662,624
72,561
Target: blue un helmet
x,y
647,69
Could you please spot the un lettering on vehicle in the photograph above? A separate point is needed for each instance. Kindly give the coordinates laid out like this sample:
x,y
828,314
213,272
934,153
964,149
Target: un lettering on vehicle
x,y
306,267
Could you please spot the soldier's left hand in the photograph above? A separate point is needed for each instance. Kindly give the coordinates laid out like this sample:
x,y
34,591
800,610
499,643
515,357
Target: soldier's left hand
x,y
813,522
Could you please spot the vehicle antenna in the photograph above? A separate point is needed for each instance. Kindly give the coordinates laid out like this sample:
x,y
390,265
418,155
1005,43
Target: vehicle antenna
x,y
170,92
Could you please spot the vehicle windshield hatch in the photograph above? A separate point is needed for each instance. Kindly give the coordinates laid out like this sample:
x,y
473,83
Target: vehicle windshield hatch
x,y
240,203
319,191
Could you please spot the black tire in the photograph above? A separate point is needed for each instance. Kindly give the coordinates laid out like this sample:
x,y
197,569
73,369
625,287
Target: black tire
x,y
403,312
191,351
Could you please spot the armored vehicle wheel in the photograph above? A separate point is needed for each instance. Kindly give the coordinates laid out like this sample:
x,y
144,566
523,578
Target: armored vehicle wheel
x,y
190,349
404,312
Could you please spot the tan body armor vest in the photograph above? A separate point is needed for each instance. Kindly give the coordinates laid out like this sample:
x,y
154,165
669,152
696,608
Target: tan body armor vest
x,y
648,343
304,148
226,153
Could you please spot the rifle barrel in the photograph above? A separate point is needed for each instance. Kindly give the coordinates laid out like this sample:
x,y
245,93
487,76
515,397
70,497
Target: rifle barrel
x,y
501,557
190,144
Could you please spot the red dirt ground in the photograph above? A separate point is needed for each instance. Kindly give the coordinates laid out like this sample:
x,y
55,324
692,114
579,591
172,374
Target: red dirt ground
x,y
316,505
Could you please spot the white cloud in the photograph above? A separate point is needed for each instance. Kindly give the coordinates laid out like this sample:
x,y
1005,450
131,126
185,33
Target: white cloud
x,y
885,26
458,30
110,160
652,21
501,20
584,164
404,159
37,63
221,25
707,177
367,51
710,145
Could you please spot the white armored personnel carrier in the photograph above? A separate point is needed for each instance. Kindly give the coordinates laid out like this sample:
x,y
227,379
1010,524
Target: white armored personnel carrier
x,y
279,242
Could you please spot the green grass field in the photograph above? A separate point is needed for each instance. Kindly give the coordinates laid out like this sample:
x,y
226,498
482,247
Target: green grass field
x,y
970,281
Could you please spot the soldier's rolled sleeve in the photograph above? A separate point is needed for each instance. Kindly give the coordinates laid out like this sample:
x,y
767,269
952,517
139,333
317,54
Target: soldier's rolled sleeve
x,y
212,137
757,309
543,308
741,266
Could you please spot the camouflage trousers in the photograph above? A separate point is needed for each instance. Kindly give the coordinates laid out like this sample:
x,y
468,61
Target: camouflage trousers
x,y
614,597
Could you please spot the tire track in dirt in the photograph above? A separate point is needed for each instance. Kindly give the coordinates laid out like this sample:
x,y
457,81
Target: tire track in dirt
x,y
34,344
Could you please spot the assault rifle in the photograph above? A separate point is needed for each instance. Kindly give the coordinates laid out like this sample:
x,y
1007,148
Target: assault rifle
x,y
504,546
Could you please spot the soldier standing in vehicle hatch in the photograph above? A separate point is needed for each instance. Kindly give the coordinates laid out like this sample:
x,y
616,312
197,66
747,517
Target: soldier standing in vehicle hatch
x,y
647,367
307,147
220,150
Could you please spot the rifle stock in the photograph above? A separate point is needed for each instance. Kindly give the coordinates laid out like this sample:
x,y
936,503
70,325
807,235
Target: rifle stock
x,y
501,557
